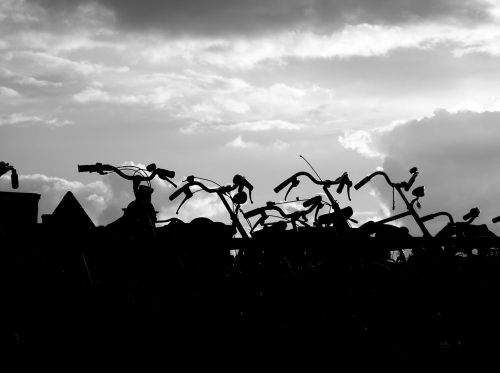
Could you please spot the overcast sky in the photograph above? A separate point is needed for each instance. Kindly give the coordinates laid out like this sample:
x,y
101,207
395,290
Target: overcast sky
x,y
218,87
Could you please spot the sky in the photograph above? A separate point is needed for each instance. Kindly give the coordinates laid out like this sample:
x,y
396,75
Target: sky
x,y
221,87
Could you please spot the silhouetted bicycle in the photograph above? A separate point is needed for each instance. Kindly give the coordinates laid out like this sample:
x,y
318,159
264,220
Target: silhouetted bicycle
x,y
140,213
339,218
417,193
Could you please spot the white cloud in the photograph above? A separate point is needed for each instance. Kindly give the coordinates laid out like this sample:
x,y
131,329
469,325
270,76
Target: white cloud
x,y
8,92
357,40
214,101
20,119
29,80
359,141
239,143
261,125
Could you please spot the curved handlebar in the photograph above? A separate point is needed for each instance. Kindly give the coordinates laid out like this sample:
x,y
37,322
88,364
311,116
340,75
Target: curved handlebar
x,y
403,184
435,215
103,168
295,177
340,181
283,184
369,177
185,189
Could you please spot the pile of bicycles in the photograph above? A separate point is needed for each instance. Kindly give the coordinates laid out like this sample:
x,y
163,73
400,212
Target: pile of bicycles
x,y
296,276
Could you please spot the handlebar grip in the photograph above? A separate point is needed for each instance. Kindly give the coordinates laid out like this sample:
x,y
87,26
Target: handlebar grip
x,y
176,194
362,182
474,212
282,185
14,179
312,201
495,220
87,168
340,188
162,173
410,182
254,212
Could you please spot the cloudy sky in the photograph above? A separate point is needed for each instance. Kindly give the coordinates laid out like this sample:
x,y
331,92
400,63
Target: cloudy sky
x,y
218,87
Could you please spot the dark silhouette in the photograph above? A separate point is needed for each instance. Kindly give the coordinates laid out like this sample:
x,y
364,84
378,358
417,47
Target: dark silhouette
x,y
223,192
69,214
139,217
305,288
4,168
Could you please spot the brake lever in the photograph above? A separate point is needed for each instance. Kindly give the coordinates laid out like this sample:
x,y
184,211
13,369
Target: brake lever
x,y
295,183
344,181
189,194
242,183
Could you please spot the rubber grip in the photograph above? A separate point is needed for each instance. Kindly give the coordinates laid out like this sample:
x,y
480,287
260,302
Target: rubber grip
x,y
312,201
362,182
176,194
495,220
165,173
473,212
86,168
282,185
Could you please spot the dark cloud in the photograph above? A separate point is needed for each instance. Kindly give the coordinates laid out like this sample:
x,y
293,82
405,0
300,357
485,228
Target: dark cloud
x,y
220,17
457,156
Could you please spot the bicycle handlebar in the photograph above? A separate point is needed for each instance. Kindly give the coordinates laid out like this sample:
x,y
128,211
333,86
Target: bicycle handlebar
x,y
185,189
435,215
495,220
309,204
404,184
283,184
103,168
363,182
472,214
294,180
